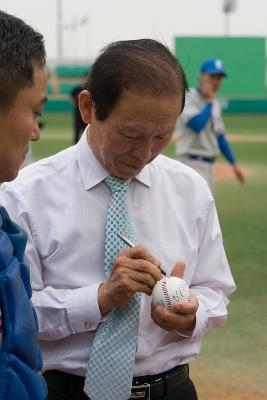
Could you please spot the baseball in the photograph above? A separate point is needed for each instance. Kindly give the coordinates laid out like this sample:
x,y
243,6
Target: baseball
x,y
169,291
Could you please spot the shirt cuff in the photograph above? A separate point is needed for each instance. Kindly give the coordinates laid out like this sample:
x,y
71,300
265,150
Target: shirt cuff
x,y
200,322
83,309
199,329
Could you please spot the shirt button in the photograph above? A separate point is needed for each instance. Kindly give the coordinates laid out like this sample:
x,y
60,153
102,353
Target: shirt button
x,y
87,324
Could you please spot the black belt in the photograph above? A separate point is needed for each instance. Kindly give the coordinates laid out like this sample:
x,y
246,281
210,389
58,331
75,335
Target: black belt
x,y
155,386
200,158
143,387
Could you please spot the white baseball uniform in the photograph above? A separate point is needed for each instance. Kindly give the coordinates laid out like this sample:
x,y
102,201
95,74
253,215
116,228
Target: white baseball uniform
x,y
196,149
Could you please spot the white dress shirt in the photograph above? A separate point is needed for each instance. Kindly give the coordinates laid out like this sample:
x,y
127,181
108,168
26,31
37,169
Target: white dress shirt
x,y
62,203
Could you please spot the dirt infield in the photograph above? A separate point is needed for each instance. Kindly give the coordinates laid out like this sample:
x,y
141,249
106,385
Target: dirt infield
x,y
223,386
247,138
225,171
228,392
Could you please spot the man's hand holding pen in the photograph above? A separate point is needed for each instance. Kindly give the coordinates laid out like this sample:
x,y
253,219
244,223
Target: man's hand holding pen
x,y
134,270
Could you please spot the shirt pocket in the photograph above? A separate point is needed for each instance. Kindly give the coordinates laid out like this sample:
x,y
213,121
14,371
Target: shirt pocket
x,y
169,254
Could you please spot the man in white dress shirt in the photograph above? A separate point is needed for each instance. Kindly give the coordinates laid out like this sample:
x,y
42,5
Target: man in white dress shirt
x,y
135,95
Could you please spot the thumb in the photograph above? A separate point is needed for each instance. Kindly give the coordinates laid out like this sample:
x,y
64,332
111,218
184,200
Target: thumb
x,y
178,269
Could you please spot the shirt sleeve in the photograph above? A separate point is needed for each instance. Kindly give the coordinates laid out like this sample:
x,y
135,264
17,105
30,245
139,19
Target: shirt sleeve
x,y
217,120
60,311
191,108
225,148
199,121
212,283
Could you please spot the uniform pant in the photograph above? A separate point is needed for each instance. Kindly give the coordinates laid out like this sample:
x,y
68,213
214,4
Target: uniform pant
x,y
204,168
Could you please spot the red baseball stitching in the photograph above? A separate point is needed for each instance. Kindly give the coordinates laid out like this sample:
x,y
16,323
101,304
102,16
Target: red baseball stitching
x,y
166,294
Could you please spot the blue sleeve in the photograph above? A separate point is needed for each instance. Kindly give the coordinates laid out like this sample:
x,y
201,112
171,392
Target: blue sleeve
x,y
226,149
198,122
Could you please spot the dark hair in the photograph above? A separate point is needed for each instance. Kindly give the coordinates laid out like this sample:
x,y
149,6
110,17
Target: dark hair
x,y
143,65
21,47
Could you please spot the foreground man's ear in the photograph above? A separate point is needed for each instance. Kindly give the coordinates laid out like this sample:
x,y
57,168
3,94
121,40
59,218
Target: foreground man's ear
x,y
86,106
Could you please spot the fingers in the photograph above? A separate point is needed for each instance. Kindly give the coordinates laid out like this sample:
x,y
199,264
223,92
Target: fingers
x,y
179,317
138,259
186,308
240,176
178,269
169,320
138,276
239,173
140,252
134,270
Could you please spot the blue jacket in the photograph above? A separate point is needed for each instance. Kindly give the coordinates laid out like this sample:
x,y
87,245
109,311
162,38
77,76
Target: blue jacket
x,y
20,356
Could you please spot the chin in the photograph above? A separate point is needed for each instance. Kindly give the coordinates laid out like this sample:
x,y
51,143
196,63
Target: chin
x,y
8,178
124,175
11,175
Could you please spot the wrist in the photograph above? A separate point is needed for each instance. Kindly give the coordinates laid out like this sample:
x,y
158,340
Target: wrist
x,y
187,331
103,302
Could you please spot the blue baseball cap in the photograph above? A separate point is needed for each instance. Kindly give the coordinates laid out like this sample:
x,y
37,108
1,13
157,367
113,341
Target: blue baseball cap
x,y
213,66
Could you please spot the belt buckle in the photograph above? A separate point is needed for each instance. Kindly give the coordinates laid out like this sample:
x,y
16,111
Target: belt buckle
x,y
141,392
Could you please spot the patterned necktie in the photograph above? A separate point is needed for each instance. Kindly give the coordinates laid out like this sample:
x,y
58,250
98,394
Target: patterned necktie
x,y
111,364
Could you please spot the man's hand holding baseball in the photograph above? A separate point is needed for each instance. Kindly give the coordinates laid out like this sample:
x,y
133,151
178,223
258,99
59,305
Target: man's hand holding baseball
x,y
181,316
134,270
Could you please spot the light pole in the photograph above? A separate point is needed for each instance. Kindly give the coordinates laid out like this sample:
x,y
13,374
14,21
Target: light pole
x,y
228,7
59,30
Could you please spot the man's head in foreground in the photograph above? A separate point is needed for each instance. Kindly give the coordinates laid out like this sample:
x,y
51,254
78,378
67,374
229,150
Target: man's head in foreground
x,y
23,91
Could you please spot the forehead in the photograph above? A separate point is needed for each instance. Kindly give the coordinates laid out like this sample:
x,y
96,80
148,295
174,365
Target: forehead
x,y
144,115
133,104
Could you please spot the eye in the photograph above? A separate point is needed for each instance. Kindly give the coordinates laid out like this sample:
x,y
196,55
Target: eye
x,y
165,137
125,134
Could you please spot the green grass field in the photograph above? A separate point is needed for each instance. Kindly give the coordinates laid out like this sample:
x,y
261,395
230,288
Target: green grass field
x,y
234,358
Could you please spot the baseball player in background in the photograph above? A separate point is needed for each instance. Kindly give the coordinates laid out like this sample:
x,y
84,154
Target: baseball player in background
x,y
201,132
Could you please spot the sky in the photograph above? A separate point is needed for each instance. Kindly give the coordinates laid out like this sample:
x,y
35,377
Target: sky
x,y
87,26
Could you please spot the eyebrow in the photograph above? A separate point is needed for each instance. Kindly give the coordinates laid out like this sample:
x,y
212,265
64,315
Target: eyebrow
x,y
44,99
167,132
138,131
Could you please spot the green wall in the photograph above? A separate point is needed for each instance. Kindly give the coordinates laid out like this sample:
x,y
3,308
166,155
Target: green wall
x,y
228,105
243,57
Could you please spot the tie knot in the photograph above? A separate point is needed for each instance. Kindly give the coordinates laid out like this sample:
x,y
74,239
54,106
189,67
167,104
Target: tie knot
x,y
117,184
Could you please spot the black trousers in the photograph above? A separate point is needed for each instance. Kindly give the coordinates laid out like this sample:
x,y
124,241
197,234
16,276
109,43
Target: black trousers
x,y
72,389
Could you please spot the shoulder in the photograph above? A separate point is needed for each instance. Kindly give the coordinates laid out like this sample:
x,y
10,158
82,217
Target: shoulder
x,y
47,172
193,101
193,93
179,175
180,188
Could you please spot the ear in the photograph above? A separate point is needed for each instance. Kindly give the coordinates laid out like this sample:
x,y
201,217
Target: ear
x,y
86,106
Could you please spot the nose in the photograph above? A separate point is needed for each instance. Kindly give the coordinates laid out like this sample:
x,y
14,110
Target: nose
x,y
35,134
143,150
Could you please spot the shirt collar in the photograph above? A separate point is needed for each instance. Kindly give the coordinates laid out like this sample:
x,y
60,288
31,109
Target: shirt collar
x,y
92,172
